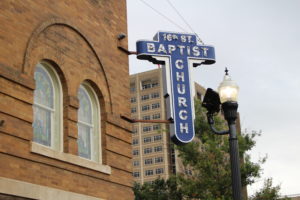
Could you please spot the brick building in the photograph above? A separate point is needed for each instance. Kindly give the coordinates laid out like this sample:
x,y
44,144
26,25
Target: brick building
x,y
63,84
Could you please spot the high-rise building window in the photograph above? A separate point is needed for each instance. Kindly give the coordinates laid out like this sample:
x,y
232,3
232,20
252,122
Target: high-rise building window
x,y
135,152
147,84
88,124
135,141
147,139
149,172
47,107
154,84
156,127
136,174
155,105
155,95
146,117
174,169
157,137
135,130
158,149
156,116
159,170
146,128
159,159
147,150
173,150
145,97
136,163
132,99
148,161
132,87
145,107
173,158
133,110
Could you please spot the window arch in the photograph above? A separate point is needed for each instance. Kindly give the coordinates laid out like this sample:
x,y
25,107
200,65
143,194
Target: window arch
x,y
47,125
89,137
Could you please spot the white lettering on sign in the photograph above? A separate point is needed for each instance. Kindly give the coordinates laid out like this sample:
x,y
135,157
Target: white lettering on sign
x,y
184,128
184,38
175,37
188,50
182,102
161,48
204,51
179,64
190,39
181,88
180,75
196,51
183,114
150,47
170,48
181,47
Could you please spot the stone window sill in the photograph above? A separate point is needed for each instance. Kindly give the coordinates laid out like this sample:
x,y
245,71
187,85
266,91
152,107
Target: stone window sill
x,y
33,191
69,158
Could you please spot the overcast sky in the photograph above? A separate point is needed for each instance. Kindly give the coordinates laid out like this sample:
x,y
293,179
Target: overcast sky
x,y
258,41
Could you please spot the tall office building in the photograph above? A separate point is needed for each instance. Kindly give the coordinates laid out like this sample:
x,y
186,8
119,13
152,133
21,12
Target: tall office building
x,y
153,155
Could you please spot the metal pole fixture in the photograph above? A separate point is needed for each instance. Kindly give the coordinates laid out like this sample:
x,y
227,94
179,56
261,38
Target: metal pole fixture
x,y
228,91
230,114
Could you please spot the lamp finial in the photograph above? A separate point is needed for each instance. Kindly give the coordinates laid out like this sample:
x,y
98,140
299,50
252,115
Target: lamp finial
x,y
226,71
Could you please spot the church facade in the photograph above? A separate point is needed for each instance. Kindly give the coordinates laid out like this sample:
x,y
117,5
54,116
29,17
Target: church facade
x,y
63,84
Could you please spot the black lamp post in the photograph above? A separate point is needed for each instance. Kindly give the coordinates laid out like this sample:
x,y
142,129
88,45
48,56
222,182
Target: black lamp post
x,y
227,98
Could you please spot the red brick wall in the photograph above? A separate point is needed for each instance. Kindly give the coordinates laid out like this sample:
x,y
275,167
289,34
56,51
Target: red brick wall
x,y
80,39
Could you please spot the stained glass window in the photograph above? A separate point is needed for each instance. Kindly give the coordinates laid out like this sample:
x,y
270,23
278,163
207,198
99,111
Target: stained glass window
x,y
46,107
88,120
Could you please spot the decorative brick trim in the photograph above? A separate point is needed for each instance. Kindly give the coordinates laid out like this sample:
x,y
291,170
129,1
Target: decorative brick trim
x,y
62,22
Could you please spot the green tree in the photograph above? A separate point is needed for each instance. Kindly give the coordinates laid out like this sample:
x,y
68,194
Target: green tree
x,y
268,192
209,160
208,157
160,189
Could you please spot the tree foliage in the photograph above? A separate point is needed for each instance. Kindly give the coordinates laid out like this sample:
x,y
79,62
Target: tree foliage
x,y
210,162
268,192
208,157
160,189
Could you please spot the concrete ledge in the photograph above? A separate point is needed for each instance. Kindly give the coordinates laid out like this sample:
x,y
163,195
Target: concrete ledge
x,y
33,191
69,158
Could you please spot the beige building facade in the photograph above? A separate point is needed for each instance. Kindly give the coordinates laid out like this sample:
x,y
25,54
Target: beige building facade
x,y
150,141
153,155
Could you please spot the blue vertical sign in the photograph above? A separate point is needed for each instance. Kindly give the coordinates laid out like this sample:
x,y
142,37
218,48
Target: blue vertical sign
x,y
177,52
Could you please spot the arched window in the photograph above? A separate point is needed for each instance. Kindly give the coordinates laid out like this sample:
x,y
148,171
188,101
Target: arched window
x,y
47,107
89,139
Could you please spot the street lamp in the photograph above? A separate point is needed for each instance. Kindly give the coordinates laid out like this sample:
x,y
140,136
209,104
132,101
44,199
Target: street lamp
x,y
227,98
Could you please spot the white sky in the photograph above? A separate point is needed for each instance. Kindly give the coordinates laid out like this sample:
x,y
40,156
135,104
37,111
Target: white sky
x,y
258,41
